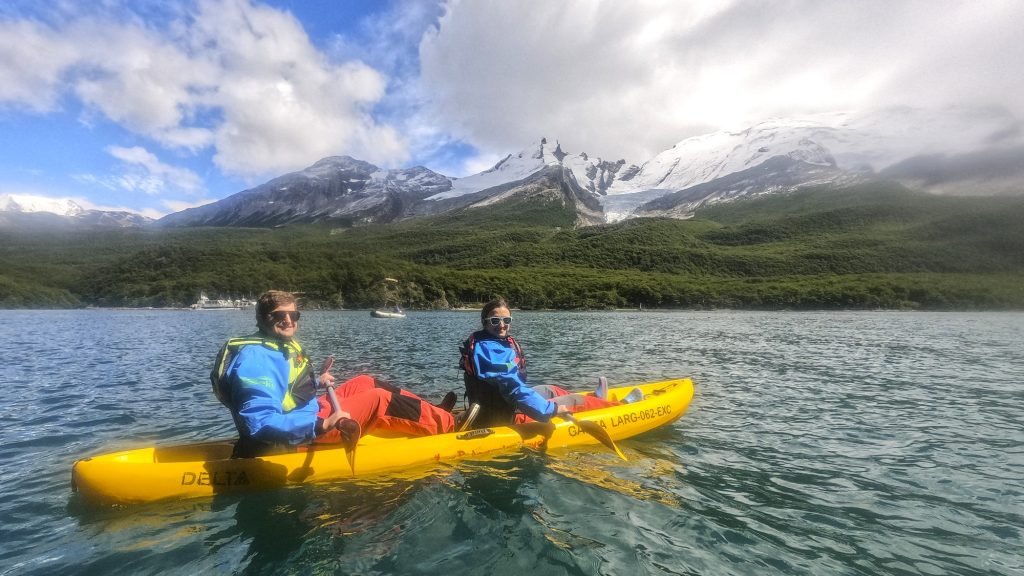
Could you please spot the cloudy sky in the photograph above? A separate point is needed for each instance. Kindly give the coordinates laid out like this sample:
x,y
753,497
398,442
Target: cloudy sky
x,y
154,106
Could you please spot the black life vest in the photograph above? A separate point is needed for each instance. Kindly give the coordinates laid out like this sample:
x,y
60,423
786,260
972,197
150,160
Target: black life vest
x,y
495,410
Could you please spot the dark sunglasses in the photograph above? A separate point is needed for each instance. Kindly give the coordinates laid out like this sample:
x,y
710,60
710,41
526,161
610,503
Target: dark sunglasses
x,y
280,315
495,320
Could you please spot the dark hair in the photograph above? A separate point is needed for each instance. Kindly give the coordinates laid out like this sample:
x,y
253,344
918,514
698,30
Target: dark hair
x,y
491,307
272,300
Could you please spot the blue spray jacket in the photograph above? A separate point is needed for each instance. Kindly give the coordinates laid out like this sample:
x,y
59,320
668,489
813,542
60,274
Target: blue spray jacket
x,y
259,378
494,362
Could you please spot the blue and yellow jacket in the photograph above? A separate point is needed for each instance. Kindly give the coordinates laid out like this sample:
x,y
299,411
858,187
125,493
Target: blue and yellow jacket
x,y
272,392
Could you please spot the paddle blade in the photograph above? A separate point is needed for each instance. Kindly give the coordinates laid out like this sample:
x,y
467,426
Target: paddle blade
x,y
595,430
328,363
350,434
350,455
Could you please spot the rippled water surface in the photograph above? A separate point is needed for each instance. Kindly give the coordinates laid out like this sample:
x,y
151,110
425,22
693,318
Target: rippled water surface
x,y
817,443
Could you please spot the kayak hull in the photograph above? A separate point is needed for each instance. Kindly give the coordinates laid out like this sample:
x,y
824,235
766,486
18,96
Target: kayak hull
x,y
386,314
207,469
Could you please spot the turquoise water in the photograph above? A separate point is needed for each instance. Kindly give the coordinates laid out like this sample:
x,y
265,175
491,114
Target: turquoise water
x,y
817,443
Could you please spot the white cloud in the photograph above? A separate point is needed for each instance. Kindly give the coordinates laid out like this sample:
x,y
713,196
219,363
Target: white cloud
x,y
135,77
631,79
284,104
141,171
389,41
478,164
243,78
32,60
244,83
155,177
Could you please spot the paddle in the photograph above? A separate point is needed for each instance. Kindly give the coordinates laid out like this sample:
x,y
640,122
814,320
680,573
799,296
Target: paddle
x,y
595,430
349,428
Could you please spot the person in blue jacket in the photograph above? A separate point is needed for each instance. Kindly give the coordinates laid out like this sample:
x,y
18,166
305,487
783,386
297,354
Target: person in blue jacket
x,y
495,377
268,383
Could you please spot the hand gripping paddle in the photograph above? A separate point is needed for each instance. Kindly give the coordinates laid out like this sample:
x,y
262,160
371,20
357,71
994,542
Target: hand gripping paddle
x,y
350,430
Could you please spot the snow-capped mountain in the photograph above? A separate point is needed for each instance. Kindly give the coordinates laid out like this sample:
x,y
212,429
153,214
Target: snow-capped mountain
x,y
22,210
25,203
705,158
858,143
337,188
769,157
593,174
345,190
985,155
781,173
874,141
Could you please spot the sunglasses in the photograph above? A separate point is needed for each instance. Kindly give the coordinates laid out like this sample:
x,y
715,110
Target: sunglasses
x,y
496,320
280,315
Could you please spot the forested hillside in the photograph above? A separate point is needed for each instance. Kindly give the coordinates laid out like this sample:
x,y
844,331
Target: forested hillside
x,y
868,247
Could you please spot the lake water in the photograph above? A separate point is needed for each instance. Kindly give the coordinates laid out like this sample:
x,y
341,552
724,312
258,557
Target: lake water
x,y
817,443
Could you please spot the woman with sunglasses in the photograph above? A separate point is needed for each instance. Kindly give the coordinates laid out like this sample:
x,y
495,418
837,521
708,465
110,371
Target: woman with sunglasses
x,y
495,377
268,383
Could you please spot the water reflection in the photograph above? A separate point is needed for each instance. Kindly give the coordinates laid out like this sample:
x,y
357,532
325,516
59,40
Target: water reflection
x,y
817,443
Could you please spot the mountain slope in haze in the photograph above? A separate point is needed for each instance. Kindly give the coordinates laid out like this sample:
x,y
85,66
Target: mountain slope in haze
x,y
835,149
774,175
24,211
335,188
985,157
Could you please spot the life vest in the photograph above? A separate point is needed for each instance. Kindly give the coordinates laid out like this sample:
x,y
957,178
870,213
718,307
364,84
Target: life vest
x,y
301,383
494,409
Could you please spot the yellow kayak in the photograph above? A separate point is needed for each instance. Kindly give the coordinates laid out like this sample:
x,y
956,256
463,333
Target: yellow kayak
x,y
206,469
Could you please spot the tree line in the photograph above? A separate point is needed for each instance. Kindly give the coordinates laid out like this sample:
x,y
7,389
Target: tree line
x,y
863,248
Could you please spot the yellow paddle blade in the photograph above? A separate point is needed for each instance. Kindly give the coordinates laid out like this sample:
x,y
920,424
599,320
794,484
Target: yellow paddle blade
x,y
595,430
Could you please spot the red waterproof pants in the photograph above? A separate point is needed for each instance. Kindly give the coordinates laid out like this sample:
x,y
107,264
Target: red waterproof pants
x,y
378,405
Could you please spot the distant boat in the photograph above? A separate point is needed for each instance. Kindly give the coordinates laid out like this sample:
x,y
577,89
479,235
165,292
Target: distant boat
x,y
205,303
391,307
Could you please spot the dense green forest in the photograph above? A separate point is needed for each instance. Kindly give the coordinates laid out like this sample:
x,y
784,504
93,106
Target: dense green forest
x,y
874,246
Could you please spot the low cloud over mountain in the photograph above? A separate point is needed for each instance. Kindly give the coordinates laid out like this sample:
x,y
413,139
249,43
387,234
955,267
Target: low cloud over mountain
x,y
770,157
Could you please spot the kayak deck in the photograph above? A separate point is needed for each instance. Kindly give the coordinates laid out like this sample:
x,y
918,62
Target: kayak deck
x,y
207,469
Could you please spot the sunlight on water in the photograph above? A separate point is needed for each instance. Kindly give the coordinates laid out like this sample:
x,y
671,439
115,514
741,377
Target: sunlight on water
x,y
817,443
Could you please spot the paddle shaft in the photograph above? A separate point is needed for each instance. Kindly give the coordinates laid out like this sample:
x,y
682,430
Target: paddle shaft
x,y
328,362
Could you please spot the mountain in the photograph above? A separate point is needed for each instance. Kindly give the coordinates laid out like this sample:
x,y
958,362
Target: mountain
x,y
25,211
776,174
25,204
911,147
349,191
993,170
553,184
952,151
344,190
592,174
338,188
724,166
